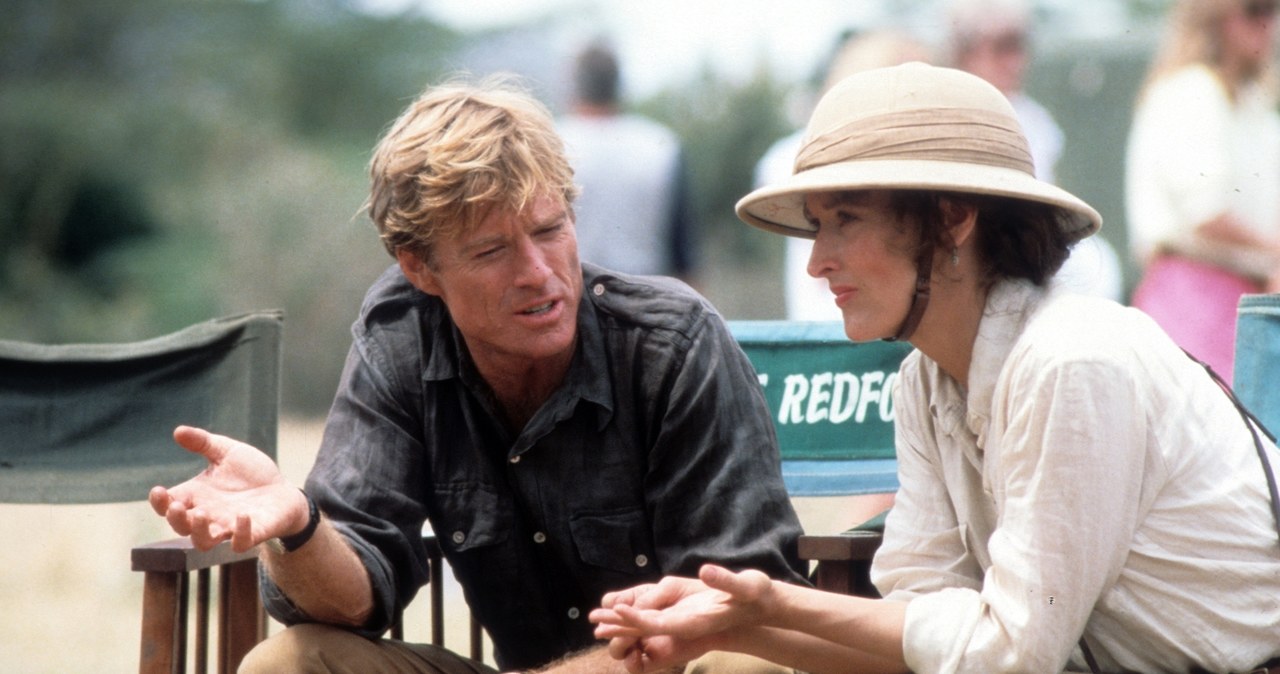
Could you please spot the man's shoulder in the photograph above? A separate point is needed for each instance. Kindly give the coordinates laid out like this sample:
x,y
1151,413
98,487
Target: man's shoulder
x,y
392,301
655,303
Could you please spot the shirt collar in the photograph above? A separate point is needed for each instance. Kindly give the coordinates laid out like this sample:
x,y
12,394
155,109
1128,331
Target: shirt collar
x,y
589,377
1009,304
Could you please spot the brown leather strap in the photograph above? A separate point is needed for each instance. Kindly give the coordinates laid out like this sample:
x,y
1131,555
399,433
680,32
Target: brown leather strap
x,y
919,301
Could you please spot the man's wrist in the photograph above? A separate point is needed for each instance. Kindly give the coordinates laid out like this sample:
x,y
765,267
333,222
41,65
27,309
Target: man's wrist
x,y
292,542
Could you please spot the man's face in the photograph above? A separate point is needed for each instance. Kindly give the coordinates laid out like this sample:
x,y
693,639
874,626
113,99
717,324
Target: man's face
x,y
512,285
999,58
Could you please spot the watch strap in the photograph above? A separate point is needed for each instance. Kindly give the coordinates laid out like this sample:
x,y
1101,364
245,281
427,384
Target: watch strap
x,y
295,541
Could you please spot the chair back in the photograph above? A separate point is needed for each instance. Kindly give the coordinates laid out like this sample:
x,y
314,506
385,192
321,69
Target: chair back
x,y
831,404
93,423
1256,373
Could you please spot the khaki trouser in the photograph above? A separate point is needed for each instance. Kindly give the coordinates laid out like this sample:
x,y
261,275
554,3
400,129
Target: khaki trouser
x,y
320,649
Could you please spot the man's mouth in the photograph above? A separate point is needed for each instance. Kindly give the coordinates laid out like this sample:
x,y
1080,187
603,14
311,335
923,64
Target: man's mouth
x,y
540,309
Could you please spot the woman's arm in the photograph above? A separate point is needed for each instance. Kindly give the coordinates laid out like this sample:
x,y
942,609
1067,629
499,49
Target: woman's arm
x,y
680,619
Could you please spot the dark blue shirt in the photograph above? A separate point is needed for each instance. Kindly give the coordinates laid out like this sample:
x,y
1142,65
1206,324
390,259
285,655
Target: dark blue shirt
x,y
654,456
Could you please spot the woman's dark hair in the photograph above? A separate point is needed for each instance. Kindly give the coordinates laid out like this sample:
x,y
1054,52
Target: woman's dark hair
x,y
1015,238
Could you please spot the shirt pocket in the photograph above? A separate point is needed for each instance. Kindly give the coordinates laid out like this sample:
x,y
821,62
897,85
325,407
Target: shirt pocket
x,y
617,541
471,515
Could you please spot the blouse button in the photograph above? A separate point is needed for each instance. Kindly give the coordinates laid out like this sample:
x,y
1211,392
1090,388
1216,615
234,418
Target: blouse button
x,y
598,289
642,560
539,537
515,459
574,613
459,537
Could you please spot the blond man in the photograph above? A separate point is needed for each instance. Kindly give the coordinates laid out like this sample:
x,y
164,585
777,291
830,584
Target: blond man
x,y
567,431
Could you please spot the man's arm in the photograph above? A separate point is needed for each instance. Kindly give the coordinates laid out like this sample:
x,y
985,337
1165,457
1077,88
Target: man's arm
x,y
324,578
242,497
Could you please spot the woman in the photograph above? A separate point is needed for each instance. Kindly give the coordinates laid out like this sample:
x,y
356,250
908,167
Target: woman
x,y
1203,174
1066,470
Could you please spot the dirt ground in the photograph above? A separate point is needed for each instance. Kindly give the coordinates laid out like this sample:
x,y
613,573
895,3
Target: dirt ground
x,y
69,603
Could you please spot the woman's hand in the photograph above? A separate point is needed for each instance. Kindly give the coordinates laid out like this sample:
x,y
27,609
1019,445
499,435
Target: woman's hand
x,y
651,627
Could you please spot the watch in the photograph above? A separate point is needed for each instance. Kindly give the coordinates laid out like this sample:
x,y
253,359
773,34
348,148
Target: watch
x,y
295,541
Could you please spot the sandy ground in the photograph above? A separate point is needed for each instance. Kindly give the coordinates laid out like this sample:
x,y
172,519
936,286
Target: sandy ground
x,y
69,603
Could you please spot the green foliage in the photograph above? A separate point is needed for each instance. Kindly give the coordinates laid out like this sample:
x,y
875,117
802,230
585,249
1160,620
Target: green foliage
x,y
726,128
165,162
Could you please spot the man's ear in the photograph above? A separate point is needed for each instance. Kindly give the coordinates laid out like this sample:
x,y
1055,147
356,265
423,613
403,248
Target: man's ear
x,y
960,219
418,272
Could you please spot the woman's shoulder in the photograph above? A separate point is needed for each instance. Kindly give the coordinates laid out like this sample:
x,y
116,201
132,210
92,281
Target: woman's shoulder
x,y
1068,327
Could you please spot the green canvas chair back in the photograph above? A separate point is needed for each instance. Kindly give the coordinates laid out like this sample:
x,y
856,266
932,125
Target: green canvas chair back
x,y
93,423
831,404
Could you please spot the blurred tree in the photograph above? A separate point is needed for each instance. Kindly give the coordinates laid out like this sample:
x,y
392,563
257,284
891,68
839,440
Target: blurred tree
x,y
163,162
726,128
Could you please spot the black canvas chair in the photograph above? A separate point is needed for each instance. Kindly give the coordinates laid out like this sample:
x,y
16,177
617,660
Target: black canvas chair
x,y
93,423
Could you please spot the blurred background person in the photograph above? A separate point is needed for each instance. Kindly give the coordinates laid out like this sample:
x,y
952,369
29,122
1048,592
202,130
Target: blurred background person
x,y
1203,173
633,214
808,298
991,39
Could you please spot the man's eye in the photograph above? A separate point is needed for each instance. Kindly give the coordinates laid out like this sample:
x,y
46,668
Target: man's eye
x,y
488,252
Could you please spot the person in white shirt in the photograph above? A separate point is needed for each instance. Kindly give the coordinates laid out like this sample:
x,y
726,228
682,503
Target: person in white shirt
x,y
1202,190
991,39
1075,491
634,214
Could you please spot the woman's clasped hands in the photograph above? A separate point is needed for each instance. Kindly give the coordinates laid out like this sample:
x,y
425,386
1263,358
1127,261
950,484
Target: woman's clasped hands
x,y
661,625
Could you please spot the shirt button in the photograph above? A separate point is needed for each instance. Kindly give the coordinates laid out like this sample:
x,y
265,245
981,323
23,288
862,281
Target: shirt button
x,y
642,560
539,537
515,459
459,537
598,289
574,613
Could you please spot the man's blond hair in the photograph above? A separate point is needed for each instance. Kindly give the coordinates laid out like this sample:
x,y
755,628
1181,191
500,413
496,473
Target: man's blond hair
x,y
459,151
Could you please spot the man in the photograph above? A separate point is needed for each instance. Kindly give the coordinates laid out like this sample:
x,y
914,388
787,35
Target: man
x,y
567,431
634,208
991,39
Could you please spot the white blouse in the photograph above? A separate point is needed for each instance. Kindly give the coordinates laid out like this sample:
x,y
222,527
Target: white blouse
x,y
1092,480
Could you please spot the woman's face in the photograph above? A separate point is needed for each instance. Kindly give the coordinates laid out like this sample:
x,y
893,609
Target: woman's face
x,y
866,252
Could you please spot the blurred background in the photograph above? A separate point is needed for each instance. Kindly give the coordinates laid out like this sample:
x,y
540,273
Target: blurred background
x,y
167,161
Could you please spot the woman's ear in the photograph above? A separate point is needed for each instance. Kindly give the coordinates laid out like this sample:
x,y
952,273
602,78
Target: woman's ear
x,y
959,218
418,272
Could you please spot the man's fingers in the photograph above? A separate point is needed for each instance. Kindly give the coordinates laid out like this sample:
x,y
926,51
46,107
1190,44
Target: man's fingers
x,y
199,441
159,499
176,515
242,539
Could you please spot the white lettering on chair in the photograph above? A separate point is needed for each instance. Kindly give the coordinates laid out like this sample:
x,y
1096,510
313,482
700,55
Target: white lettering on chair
x,y
819,397
797,387
843,397
835,397
870,393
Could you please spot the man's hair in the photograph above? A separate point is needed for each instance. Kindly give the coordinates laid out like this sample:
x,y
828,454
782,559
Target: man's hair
x,y
458,152
1016,238
595,76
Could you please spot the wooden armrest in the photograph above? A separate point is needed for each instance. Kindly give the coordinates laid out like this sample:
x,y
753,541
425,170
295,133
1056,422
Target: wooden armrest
x,y
844,561
241,619
842,547
178,555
